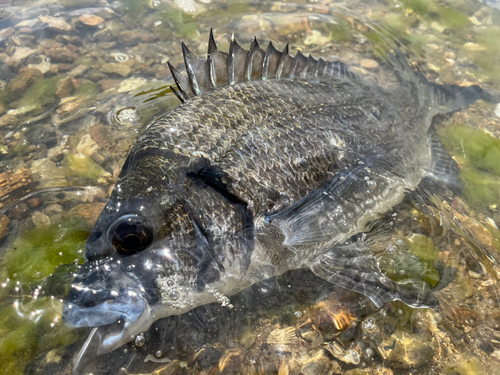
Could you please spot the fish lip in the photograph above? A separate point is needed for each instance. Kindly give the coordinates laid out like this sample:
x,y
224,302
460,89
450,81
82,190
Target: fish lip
x,y
134,312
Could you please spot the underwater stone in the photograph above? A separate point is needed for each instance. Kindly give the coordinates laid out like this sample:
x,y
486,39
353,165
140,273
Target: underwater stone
x,y
91,20
497,110
130,37
406,350
20,54
22,82
55,23
116,68
64,87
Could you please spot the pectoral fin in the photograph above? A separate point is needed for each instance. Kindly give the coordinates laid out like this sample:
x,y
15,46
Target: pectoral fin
x,y
341,207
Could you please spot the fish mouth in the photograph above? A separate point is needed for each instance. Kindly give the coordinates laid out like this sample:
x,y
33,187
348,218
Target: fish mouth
x,y
118,320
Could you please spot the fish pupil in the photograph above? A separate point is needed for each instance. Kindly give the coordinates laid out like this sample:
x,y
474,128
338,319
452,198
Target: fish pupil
x,y
130,235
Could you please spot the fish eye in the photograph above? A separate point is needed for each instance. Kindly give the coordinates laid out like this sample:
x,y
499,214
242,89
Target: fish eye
x,y
130,234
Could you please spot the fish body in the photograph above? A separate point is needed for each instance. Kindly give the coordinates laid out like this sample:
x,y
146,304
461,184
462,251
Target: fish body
x,y
271,164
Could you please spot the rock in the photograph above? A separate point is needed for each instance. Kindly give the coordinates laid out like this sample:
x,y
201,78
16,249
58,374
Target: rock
x,y
21,110
89,212
315,37
40,219
8,32
18,86
4,225
61,54
87,145
12,180
91,20
65,87
56,23
64,67
497,110
130,37
474,47
369,64
77,3
116,68
8,120
46,171
69,106
406,350
20,54
107,84
44,66
78,71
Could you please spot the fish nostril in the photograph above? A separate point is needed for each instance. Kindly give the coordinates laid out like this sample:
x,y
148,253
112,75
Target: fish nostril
x,y
88,300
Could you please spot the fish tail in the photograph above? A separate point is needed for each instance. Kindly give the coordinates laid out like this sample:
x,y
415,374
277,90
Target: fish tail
x,y
445,99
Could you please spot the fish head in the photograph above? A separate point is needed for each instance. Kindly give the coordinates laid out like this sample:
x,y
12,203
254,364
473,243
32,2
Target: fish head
x,y
145,258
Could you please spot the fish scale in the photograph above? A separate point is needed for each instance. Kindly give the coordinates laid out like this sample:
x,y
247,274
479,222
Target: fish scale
x,y
272,163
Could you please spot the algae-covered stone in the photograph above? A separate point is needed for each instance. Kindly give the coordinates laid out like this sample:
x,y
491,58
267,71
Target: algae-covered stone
x,y
81,165
480,189
22,82
41,93
38,251
478,148
422,247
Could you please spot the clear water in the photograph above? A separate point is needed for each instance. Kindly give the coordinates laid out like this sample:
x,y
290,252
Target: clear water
x,y
81,80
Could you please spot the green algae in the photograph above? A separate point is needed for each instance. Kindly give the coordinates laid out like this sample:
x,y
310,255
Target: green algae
x,y
31,324
420,6
481,190
88,89
38,251
183,23
42,93
477,149
479,153
422,247
452,18
412,265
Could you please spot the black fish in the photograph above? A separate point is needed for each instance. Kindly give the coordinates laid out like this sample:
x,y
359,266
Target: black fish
x,y
271,163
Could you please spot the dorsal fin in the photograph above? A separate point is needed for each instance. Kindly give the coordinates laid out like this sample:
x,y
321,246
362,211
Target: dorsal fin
x,y
236,62
217,63
239,65
184,91
197,70
284,65
271,61
299,62
253,65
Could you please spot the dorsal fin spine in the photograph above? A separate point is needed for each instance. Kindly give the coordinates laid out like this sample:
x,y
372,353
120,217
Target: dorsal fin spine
x,y
248,64
188,57
212,49
284,55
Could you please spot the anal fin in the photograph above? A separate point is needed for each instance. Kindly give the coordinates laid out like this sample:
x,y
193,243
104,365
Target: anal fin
x,y
444,170
353,267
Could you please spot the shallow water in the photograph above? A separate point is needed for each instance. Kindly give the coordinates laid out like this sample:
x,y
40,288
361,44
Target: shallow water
x,y
81,80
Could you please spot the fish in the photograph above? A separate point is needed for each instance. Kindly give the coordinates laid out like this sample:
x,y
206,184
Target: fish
x,y
272,162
